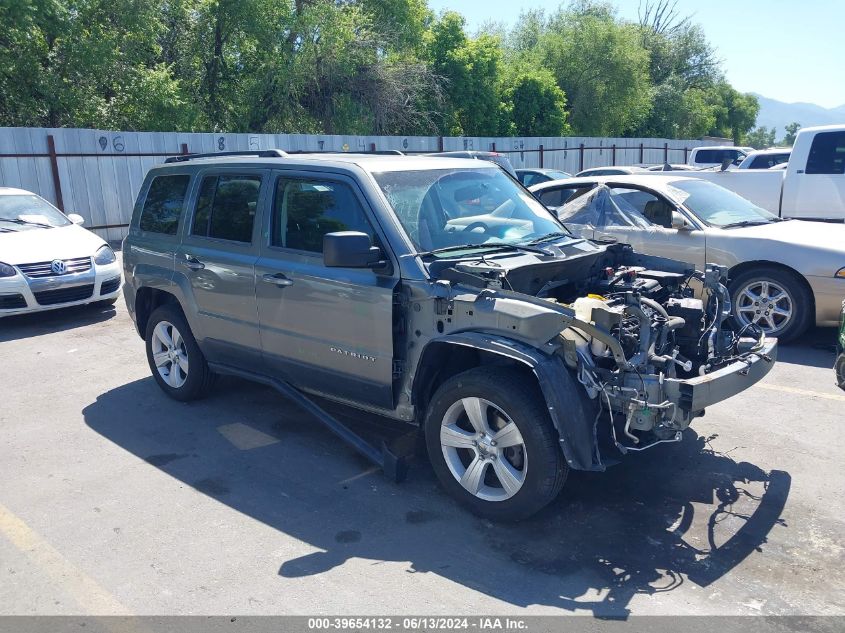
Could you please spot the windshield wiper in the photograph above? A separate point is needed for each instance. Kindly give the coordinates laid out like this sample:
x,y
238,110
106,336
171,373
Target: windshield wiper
x,y
548,237
27,222
503,246
734,225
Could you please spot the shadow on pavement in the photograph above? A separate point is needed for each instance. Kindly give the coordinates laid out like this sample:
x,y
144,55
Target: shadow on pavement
x,y
681,513
816,348
22,326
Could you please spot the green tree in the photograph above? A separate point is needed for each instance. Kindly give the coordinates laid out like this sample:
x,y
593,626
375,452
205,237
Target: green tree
x,y
536,105
602,67
761,137
678,111
791,133
472,72
736,113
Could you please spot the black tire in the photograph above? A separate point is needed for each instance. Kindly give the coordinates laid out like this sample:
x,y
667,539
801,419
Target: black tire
x,y
840,371
798,294
519,398
199,379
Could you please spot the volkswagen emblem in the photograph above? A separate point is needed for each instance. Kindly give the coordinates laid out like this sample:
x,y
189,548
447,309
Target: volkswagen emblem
x,y
58,267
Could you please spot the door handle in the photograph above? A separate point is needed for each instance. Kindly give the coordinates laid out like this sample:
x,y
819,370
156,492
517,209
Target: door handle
x,y
277,279
193,263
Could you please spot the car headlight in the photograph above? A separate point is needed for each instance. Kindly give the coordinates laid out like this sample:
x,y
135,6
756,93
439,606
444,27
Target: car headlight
x,y
105,255
6,270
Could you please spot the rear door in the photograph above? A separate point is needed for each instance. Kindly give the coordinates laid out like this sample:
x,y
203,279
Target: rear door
x,y
814,186
217,261
324,329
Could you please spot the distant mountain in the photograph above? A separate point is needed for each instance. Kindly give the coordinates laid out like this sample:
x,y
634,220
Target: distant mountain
x,y
777,114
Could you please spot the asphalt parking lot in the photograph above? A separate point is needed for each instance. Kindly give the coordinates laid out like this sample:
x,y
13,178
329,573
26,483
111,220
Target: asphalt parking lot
x,y
115,499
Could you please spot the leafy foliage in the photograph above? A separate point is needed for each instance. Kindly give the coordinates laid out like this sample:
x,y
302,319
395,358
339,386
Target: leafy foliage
x,y
361,66
791,133
761,137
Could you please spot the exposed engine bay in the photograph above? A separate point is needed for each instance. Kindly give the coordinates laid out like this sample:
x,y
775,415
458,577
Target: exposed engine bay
x,y
635,324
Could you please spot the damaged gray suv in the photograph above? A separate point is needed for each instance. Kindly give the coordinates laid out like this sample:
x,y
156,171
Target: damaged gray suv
x,y
435,292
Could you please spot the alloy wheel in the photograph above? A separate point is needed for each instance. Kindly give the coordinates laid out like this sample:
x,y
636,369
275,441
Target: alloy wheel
x,y
483,449
767,304
170,354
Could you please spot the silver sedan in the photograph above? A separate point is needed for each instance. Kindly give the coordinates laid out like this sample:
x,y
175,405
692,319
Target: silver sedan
x,y
784,274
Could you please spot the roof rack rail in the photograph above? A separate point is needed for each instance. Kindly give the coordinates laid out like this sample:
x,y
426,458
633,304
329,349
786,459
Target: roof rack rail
x,y
260,153
381,152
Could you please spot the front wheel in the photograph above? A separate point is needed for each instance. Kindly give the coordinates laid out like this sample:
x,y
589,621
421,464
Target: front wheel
x,y
175,359
775,300
492,445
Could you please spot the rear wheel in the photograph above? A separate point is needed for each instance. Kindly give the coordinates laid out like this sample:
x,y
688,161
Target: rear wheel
x,y
175,359
492,445
775,300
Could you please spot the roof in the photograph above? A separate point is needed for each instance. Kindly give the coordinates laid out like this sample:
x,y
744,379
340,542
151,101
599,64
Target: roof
x,y
770,150
650,180
837,127
11,191
718,147
367,162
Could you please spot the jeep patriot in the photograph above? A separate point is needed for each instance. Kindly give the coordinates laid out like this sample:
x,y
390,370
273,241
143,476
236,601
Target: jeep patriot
x,y
436,292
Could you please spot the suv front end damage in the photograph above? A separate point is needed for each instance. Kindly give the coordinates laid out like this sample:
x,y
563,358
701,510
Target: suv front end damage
x,y
647,356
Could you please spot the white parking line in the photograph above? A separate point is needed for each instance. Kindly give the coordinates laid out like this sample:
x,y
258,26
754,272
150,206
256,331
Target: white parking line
x,y
804,392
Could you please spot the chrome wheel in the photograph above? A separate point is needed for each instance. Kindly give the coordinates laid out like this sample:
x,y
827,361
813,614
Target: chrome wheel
x,y
766,304
170,354
483,449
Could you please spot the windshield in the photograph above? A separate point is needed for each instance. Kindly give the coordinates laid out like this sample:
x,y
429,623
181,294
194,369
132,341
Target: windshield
x,y
443,208
557,175
28,211
718,206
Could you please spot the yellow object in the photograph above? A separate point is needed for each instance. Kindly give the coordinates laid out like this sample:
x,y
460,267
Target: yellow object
x,y
599,297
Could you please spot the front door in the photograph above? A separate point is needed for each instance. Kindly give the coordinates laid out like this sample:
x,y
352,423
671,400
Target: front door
x,y
324,329
217,261
657,237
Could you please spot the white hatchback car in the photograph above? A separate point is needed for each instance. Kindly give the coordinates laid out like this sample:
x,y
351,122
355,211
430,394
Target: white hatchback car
x,y
47,260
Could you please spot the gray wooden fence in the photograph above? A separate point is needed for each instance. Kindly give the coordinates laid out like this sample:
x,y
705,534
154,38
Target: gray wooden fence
x,y
98,173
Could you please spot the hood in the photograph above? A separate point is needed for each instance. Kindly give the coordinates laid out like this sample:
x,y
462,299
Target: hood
x,y
44,245
827,235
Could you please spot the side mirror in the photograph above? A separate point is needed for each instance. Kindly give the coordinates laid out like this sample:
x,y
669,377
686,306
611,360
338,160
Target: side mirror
x,y
350,249
680,222
76,218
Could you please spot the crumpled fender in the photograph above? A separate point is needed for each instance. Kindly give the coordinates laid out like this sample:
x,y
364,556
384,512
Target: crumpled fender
x,y
571,411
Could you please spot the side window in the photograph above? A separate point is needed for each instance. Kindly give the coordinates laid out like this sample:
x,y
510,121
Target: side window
x,y
827,154
656,210
304,210
163,205
529,179
554,197
226,207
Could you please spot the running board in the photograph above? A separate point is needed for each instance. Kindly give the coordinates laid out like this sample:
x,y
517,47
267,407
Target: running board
x,y
395,467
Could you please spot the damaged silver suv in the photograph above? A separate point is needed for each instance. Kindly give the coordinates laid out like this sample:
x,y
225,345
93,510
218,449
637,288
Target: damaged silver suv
x,y
435,292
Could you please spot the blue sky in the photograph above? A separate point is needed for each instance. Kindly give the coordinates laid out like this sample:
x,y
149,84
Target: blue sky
x,y
782,49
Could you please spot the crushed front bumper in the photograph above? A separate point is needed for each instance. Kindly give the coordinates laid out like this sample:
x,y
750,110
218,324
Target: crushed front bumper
x,y
695,394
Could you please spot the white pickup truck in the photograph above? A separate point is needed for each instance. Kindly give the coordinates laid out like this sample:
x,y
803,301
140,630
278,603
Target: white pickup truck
x,y
811,187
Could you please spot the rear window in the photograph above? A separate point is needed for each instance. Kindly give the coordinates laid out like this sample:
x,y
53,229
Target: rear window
x,y
163,205
717,155
827,154
226,207
767,161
